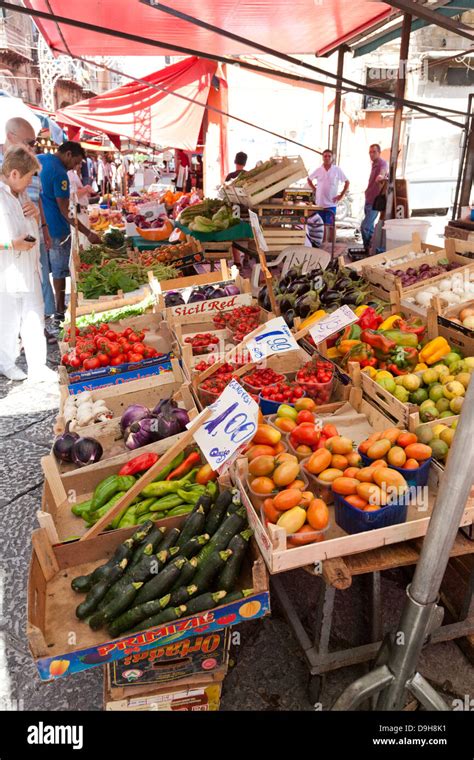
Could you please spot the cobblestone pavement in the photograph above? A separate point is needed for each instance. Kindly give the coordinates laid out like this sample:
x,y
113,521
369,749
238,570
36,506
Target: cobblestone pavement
x,y
268,671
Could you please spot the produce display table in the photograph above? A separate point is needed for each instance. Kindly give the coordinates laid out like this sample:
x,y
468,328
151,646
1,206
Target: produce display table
x,y
336,575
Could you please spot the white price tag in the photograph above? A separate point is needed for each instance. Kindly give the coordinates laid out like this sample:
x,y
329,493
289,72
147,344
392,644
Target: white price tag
x,y
275,338
234,422
257,231
333,323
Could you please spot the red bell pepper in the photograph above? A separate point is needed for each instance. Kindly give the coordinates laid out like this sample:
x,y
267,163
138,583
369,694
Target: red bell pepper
x,y
369,319
377,341
139,464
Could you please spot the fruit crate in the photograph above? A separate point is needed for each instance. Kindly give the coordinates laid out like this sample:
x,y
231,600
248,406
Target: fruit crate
x,y
458,335
109,433
461,247
52,604
416,246
135,392
180,283
157,333
62,490
282,173
383,282
272,539
181,313
395,409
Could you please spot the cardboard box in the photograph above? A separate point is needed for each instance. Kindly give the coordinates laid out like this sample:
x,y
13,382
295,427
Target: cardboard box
x,y
201,656
62,645
337,543
193,695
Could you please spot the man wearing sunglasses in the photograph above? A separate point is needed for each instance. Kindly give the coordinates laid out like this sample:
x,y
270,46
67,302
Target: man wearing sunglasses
x,y
18,131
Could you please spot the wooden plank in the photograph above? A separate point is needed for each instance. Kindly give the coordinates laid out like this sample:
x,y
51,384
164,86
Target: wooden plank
x,y
146,478
44,551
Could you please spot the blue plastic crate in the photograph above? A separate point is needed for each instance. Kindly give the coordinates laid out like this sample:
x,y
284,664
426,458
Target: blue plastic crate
x,y
418,477
354,520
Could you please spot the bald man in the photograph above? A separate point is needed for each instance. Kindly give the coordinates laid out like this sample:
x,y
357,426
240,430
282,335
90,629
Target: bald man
x,y
19,131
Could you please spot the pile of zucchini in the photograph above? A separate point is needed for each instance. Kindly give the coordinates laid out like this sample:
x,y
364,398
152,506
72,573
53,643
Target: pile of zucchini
x,y
158,574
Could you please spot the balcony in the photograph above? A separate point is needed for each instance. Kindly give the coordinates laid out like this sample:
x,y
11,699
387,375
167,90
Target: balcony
x,y
15,45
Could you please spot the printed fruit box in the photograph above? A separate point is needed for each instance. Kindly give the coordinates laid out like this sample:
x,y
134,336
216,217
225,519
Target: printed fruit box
x,y
109,433
113,376
196,693
118,397
62,645
61,491
179,313
358,418
202,656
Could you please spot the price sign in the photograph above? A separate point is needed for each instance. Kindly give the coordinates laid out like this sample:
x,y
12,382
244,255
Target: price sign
x,y
233,423
275,338
257,231
333,323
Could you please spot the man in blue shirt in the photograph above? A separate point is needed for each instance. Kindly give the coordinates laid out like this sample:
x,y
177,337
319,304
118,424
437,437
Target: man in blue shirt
x,y
55,201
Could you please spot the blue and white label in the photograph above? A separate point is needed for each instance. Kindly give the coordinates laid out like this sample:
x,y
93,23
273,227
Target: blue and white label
x,y
332,324
274,338
233,423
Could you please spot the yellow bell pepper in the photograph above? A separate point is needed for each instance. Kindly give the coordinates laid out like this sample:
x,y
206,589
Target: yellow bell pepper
x,y
420,367
332,353
360,310
389,322
313,318
370,371
434,350
346,345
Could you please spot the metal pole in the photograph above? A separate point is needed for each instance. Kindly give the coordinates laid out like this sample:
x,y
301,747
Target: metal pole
x,y
337,103
468,179
421,615
465,163
397,116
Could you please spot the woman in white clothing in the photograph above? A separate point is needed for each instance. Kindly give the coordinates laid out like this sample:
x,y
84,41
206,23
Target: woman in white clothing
x,y
21,300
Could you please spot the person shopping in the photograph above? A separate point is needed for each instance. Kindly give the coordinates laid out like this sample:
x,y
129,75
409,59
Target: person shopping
x,y
21,300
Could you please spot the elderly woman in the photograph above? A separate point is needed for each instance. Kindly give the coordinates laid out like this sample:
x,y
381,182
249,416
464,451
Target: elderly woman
x,y
21,300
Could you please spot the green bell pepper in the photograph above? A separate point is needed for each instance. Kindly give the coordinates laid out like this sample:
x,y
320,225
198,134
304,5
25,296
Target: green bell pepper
x,y
402,338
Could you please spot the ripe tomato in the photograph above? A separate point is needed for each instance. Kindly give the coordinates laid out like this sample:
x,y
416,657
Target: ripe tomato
x,y
133,357
104,359
93,363
113,350
119,359
75,362
139,348
84,356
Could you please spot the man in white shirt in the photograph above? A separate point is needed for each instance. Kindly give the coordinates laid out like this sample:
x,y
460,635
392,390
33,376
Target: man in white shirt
x,y
328,178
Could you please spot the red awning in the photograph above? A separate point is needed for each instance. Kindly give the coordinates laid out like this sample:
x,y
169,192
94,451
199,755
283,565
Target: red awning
x,y
303,26
148,115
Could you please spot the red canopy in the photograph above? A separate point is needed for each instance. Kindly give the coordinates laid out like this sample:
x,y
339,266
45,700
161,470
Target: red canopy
x,y
146,114
303,26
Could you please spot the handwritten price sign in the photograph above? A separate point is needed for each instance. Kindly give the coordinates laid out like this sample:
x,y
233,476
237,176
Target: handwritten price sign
x,y
275,338
332,324
257,231
233,423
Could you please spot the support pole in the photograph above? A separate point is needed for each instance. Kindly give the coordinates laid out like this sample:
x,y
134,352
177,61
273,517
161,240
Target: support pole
x,y
468,178
397,117
337,103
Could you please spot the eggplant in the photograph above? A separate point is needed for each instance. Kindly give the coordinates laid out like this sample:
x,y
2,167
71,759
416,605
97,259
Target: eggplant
x,y
344,283
304,305
195,297
289,317
286,303
329,297
351,298
262,293
173,299
301,289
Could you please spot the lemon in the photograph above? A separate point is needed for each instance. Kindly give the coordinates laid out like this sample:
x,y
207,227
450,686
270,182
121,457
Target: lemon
x,y
382,373
399,379
429,376
411,382
447,436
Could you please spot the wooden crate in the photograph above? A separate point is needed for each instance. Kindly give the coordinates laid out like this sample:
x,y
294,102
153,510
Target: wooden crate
x,y
52,604
156,331
272,539
105,303
180,283
278,239
175,314
461,247
135,392
393,408
109,433
415,246
283,173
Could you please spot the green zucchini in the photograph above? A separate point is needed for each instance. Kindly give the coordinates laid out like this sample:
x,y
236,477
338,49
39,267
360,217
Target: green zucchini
x,y
154,537
170,538
216,514
205,501
167,616
123,551
153,563
230,572
209,569
194,545
119,603
234,596
236,502
181,595
142,611
192,526
99,590
204,602
162,582
223,534
186,574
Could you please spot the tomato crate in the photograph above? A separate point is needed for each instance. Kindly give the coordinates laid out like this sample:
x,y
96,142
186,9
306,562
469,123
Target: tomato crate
x,y
279,175
118,397
52,604
61,490
157,333
196,693
109,433
356,419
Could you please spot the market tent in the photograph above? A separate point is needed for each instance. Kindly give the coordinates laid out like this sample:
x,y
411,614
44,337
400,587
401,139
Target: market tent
x,y
11,107
141,112
307,26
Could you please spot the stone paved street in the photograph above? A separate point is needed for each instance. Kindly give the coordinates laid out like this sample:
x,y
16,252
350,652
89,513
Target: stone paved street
x,y
267,672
